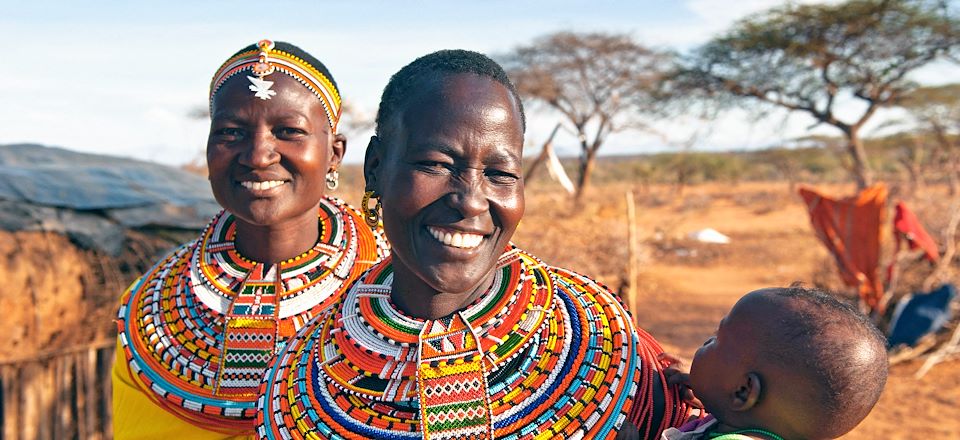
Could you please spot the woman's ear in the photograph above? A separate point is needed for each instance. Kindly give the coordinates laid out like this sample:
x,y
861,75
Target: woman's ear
x,y
337,149
747,394
371,164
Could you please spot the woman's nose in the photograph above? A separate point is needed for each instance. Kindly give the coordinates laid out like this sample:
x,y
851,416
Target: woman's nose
x,y
262,150
469,196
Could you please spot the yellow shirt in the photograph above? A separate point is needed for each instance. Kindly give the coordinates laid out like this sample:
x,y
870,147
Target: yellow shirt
x,y
136,416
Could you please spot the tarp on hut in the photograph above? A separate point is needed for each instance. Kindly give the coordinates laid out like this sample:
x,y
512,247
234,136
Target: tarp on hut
x,y
92,198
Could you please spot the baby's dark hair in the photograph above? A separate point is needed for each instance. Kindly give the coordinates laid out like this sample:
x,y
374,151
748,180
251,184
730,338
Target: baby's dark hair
x,y
432,66
842,352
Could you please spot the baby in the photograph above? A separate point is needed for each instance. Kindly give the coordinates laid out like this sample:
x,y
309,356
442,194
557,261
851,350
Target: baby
x,y
786,363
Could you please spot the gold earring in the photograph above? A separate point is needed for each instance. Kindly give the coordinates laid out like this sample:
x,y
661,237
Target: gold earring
x,y
371,215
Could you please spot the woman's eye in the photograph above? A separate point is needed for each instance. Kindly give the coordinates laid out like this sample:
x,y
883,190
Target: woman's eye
x,y
433,166
289,132
229,134
502,177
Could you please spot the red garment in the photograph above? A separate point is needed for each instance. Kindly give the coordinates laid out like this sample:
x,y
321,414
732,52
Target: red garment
x,y
850,228
907,228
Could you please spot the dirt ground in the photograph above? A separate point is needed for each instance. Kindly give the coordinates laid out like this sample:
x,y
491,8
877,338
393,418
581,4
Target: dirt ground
x,y
686,287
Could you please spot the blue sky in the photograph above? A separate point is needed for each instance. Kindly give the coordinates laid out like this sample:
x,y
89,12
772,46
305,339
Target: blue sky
x,y
121,77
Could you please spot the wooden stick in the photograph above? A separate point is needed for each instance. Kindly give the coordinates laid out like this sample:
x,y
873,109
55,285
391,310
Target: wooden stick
x,y
90,392
80,389
941,353
907,353
12,387
56,407
105,365
632,260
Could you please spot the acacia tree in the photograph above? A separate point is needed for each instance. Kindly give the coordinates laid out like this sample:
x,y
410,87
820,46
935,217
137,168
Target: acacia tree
x,y
599,82
813,59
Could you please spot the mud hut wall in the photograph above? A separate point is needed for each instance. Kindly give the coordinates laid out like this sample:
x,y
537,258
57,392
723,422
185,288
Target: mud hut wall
x,y
64,395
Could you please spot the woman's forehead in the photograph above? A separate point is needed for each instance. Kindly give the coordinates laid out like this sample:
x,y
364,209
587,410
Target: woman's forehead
x,y
463,99
237,97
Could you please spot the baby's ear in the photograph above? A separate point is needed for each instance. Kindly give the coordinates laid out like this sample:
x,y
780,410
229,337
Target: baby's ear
x,y
747,394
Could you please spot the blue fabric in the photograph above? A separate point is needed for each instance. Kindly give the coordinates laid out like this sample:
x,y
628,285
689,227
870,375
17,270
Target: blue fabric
x,y
920,314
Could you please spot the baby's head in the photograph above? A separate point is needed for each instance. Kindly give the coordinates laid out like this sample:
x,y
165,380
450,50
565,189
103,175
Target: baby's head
x,y
794,361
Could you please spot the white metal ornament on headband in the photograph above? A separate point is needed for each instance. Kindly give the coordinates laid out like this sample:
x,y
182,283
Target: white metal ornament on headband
x,y
260,86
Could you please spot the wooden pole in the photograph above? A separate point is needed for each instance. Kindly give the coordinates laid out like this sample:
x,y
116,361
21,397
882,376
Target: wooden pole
x,y
56,409
12,388
90,393
79,385
105,365
632,260
46,395
65,397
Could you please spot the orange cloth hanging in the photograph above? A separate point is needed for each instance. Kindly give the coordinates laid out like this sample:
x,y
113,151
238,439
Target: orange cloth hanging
x,y
850,228
907,227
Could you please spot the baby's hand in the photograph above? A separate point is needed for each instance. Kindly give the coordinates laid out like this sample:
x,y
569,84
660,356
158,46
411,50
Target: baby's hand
x,y
678,374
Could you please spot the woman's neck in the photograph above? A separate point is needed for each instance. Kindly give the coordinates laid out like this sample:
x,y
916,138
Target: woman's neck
x,y
419,300
274,243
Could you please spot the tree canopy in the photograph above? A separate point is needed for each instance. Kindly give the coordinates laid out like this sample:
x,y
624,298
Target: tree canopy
x,y
812,58
599,82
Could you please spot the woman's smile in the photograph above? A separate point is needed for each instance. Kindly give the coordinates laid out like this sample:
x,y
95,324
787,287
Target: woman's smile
x,y
454,238
261,186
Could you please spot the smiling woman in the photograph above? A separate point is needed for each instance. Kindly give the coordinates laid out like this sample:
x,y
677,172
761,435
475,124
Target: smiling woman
x,y
460,334
197,331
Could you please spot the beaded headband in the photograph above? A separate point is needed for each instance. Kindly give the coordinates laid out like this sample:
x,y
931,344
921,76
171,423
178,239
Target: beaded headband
x,y
264,60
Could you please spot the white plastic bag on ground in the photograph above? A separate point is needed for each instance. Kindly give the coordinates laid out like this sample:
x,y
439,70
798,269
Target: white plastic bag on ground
x,y
709,235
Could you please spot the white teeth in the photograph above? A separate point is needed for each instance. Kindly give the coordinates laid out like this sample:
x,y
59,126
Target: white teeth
x,y
259,186
457,239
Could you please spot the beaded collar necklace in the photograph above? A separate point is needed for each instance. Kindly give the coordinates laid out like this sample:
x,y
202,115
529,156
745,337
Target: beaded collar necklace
x,y
543,351
198,324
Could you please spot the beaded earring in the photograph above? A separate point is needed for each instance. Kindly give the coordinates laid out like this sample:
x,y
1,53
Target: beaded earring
x,y
333,180
371,215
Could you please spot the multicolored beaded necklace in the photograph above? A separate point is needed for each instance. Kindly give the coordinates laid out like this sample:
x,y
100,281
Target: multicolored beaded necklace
x,y
200,327
545,352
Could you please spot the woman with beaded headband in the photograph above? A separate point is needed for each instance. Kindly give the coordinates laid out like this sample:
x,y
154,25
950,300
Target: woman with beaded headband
x,y
197,331
460,334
